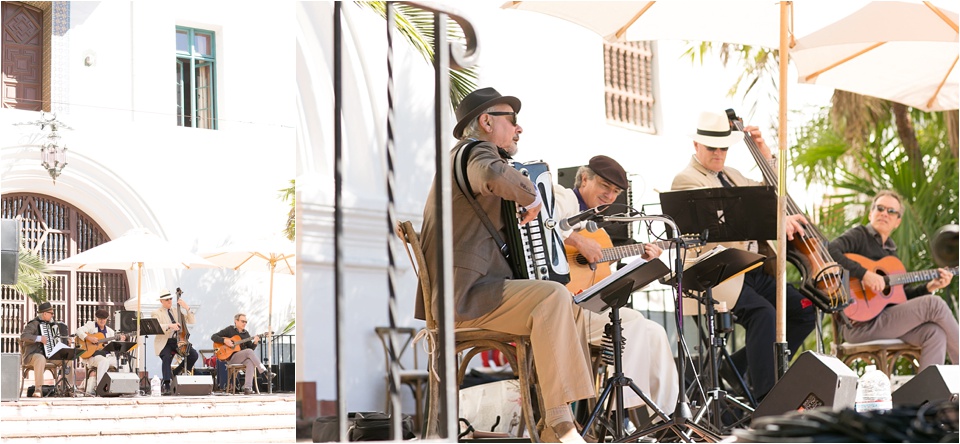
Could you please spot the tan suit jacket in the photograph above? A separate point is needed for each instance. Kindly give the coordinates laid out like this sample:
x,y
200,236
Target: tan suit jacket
x,y
159,341
479,270
695,175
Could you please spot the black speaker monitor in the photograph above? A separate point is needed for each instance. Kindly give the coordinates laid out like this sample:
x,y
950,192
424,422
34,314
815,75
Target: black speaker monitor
x,y
116,384
935,383
814,380
197,385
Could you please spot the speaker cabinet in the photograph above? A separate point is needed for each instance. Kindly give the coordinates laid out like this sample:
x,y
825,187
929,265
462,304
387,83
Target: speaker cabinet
x,y
197,385
116,384
9,244
9,376
814,380
935,383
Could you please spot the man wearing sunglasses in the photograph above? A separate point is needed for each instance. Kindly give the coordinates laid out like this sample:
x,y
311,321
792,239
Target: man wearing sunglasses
x,y
484,293
924,320
753,293
237,338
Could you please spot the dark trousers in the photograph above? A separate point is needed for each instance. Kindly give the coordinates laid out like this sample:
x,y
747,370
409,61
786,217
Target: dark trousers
x,y
756,311
166,359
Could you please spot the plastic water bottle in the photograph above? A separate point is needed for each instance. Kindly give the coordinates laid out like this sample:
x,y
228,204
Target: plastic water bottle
x,y
873,391
155,386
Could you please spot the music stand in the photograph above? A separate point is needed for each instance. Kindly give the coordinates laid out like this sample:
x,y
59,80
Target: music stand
x,y
730,214
612,293
710,270
119,348
63,387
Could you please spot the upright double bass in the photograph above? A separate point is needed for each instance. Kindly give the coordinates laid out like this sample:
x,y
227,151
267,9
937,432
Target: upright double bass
x,y
825,282
183,336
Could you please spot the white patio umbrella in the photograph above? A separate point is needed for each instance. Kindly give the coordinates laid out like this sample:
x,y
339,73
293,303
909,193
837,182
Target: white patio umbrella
x,y
749,22
135,250
273,255
898,51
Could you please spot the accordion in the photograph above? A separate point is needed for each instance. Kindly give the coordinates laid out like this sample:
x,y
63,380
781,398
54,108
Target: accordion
x,y
54,344
536,251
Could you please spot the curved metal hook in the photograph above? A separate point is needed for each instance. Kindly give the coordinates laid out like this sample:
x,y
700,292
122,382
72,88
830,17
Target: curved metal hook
x,y
461,57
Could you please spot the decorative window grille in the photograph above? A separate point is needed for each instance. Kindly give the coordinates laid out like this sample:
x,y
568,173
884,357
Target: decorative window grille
x,y
196,78
56,230
628,81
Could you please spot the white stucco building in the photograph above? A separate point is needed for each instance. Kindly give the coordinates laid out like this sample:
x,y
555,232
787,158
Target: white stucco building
x,y
199,161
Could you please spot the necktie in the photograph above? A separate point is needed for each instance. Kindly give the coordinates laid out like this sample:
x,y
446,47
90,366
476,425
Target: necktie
x,y
170,313
723,180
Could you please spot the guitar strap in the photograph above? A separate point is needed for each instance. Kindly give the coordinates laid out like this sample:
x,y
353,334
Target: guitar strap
x,y
460,160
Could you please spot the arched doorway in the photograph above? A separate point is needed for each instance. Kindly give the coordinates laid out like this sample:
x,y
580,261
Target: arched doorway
x,y
56,230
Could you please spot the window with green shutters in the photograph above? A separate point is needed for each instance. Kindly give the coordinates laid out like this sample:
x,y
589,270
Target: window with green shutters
x,y
196,78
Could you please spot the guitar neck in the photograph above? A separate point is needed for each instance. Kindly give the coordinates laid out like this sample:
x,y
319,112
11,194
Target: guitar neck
x,y
617,253
915,276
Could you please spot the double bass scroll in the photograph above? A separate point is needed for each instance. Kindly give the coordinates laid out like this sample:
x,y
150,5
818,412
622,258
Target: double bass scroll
x,y
824,282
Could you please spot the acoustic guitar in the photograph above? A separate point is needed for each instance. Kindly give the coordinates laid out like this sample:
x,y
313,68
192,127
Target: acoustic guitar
x,y
867,304
90,347
224,352
582,275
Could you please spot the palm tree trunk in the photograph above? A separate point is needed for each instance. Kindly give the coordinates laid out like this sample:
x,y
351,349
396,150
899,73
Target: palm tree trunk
x,y
908,135
953,127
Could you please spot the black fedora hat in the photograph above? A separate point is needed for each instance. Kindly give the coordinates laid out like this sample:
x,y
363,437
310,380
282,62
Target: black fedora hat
x,y
46,306
474,103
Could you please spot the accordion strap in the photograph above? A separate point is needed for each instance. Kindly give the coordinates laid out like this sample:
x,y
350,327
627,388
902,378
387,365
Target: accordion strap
x,y
460,174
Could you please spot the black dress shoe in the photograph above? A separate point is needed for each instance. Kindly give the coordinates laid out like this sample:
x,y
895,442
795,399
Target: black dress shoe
x,y
269,375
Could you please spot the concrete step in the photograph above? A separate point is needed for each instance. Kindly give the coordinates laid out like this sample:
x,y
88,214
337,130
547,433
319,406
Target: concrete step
x,y
263,418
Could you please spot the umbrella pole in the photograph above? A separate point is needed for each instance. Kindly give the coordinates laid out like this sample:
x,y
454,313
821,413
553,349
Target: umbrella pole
x,y
782,353
139,349
273,266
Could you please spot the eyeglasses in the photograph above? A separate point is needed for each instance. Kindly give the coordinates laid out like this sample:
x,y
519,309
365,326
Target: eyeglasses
x,y
713,148
887,210
243,320
513,115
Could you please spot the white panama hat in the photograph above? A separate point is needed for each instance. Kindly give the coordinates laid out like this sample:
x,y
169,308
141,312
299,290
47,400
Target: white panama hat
x,y
713,129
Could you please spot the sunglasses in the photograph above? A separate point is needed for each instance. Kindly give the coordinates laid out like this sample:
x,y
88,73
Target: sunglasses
x,y
243,320
513,115
888,210
713,148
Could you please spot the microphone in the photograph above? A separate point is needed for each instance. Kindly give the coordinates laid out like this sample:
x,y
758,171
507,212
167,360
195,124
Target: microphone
x,y
570,222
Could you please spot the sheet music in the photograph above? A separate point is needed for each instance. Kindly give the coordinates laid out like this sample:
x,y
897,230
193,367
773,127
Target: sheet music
x,y
587,299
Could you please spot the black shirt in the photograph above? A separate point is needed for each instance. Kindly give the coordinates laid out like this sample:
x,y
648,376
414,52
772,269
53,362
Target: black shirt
x,y
865,241
230,332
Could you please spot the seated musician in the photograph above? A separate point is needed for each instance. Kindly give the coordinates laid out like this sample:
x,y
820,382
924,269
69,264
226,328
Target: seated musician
x,y
34,341
95,334
924,319
753,294
236,336
166,345
484,293
647,357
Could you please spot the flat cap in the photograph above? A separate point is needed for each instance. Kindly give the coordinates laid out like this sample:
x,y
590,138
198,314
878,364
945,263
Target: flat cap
x,y
610,170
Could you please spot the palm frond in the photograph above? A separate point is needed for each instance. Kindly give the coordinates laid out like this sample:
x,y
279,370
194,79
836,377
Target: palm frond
x,y
32,275
416,26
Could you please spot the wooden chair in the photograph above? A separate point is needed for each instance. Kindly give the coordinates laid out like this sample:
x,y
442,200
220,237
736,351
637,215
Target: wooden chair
x,y
233,379
469,342
884,353
415,378
26,368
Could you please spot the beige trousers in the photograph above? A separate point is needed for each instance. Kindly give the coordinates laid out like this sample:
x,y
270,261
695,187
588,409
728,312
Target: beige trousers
x,y
39,363
557,328
647,358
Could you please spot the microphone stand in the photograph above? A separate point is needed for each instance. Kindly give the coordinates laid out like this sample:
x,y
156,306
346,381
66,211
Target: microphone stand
x,y
682,417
